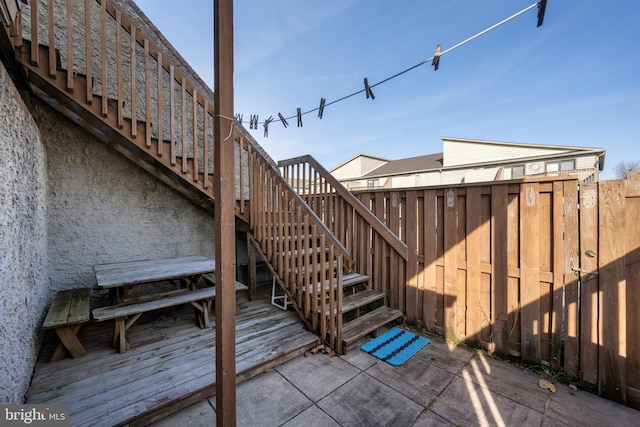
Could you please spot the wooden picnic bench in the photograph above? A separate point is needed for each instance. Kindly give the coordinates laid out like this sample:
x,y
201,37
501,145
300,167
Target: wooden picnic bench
x,y
69,310
211,279
127,313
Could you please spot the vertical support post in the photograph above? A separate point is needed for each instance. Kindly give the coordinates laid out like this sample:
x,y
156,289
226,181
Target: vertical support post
x,y
224,214
253,280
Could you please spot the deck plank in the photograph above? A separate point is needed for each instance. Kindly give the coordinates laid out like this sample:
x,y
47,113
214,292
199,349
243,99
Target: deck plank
x,y
173,360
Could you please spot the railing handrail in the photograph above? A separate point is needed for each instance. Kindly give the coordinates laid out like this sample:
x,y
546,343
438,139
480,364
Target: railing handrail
x,y
379,226
318,222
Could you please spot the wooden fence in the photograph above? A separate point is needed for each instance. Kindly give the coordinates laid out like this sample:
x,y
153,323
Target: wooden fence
x,y
545,270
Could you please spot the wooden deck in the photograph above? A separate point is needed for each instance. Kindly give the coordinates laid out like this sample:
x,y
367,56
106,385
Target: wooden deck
x,y
171,364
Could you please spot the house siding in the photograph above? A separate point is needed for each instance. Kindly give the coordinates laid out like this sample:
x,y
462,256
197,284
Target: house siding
x,y
357,167
460,153
23,242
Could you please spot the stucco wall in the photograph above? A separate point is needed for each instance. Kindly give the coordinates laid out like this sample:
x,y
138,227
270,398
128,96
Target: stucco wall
x,y
68,203
103,208
23,251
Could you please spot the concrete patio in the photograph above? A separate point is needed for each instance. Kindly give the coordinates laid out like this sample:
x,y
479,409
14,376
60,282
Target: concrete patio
x,y
442,385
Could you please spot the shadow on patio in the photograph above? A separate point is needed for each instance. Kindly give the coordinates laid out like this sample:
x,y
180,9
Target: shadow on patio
x,y
442,385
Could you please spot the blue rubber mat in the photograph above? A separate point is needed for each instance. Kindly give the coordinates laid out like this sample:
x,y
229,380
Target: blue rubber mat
x,y
395,346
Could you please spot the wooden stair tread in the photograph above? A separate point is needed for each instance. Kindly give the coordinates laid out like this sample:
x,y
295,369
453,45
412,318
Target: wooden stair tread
x,y
358,299
289,237
350,279
319,266
309,251
367,323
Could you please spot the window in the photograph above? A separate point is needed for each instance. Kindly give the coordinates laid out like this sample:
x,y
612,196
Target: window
x,y
564,165
516,171
372,183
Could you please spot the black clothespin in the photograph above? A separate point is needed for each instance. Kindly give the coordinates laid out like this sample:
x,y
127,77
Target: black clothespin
x,y
542,5
436,57
299,114
253,121
283,120
266,126
239,118
367,89
321,108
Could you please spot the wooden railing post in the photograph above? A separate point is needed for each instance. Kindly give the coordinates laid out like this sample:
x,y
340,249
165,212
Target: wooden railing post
x,y
225,217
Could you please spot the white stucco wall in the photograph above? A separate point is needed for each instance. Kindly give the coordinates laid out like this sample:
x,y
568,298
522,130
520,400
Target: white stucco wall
x,y
103,208
23,249
69,202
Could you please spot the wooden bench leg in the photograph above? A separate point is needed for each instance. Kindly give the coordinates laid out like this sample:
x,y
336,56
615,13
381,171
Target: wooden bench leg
x,y
120,336
206,313
202,313
68,343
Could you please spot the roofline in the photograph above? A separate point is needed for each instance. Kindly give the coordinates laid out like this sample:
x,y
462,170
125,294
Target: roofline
x,y
485,164
521,144
359,155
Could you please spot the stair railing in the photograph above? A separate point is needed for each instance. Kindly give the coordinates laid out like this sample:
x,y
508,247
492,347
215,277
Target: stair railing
x,y
10,24
99,57
96,54
304,256
376,250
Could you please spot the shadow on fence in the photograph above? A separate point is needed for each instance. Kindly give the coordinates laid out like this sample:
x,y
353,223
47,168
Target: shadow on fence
x,y
546,271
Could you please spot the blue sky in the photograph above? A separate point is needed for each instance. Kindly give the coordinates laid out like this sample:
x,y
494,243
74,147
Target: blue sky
x,y
573,81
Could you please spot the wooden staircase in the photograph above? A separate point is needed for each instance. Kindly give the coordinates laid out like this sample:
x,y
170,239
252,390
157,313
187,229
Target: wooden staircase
x,y
145,103
364,310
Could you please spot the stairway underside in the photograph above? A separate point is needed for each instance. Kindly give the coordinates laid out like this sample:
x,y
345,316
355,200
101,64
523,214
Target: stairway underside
x,y
89,117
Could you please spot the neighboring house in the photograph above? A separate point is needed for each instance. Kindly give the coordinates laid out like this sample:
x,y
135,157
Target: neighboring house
x,y
469,160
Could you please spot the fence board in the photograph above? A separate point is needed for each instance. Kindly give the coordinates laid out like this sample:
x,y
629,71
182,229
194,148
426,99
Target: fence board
x,y
529,272
612,380
430,293
485,257
632,274
412,295
499,272
450,264
571,266
589,291
555,359
475,309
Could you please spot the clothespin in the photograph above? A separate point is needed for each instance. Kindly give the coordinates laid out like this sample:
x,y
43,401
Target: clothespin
x,y
367,89
283,120
436,57
542,5
266,126
299,114
239,118
253,121
321,108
